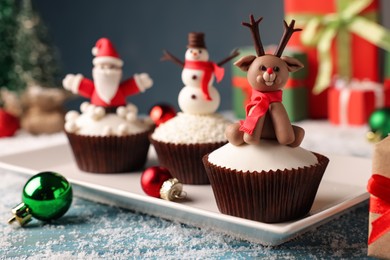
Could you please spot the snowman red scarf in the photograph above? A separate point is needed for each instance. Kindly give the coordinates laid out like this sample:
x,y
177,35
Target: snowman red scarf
x,y
259,105
208,69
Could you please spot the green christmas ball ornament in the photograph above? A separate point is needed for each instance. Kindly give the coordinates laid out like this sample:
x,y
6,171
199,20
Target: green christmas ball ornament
x,y
379,123
46,196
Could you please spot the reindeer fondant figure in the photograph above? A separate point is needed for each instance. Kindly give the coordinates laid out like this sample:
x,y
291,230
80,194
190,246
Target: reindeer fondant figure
x,y
266,116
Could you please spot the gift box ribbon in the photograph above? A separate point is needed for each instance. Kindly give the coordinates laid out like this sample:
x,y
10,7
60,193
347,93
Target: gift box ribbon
x,y
379,186
321,30
346,89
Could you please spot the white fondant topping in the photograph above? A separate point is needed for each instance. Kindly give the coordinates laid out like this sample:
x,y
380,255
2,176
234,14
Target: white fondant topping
x,y
94,121
188,128
84,107
268,155
72,115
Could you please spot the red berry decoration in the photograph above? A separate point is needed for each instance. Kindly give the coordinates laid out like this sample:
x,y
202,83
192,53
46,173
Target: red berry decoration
x,y
161,113
158,182
9,124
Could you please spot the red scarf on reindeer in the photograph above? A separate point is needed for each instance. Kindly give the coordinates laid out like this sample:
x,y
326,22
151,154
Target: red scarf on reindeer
x,y
259,105
208,69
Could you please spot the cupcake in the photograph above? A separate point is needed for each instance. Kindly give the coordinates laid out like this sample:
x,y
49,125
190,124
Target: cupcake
x,y
268,182
182,141
108,142
262,174
107,137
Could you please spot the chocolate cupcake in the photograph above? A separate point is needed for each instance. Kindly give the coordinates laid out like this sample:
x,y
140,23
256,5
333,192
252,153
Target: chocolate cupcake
x,y
107,137
268,182
182,141
104,142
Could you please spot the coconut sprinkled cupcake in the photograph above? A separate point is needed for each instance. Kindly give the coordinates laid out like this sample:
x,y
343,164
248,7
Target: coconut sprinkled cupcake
x,y
107,136
182,141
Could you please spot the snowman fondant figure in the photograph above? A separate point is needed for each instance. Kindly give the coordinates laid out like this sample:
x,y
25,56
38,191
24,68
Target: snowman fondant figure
x,y
199,96
182,141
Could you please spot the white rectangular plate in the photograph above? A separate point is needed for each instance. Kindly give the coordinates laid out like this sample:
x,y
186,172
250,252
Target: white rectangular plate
x,y
342,187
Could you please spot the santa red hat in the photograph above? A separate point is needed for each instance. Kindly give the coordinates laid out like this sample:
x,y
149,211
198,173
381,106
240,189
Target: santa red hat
x,y
104,52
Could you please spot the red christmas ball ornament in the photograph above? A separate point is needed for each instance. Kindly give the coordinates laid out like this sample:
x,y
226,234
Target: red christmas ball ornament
x,y
161,113
9,124
158,182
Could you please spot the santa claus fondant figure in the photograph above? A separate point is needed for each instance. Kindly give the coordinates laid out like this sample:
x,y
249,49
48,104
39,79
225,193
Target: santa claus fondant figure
x,y
106,89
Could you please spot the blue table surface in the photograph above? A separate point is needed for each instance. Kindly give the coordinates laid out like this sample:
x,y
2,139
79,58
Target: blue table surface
x,y
90,230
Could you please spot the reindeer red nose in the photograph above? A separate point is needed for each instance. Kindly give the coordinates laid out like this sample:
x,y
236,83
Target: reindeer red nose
x,y
270,70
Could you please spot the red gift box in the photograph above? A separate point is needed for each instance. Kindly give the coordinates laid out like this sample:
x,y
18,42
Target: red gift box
x,y
352,103
359,64
379,189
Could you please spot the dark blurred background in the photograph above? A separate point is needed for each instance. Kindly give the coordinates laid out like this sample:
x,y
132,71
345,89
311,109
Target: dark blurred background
x,y
140,30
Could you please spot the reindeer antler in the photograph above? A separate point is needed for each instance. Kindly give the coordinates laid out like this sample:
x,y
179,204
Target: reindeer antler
x,y
288,32
254,27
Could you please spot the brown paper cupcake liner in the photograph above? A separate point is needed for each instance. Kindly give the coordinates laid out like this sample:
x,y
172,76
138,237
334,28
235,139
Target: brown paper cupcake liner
x,y
271,197
110,154
184,161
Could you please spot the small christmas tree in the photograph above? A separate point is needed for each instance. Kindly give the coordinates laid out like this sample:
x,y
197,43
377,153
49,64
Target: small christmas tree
x,y
35,59
8,27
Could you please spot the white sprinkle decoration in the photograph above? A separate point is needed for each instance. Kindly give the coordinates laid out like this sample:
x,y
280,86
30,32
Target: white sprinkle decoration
x,y
188,128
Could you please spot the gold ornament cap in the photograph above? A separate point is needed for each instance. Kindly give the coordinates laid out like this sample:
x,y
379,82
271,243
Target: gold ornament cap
x,y
172,189
21,214
374,137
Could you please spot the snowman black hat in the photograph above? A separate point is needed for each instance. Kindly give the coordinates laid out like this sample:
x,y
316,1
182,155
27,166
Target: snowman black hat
x,y
196,40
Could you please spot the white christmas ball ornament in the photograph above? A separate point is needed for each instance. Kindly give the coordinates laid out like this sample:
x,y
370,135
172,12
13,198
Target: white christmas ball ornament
x,y
98,113
90,110
84,107
132,108
122,129
70,127
192,101
72,115
121,112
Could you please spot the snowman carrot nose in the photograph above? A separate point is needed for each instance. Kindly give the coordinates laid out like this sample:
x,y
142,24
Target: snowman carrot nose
x,y
270,70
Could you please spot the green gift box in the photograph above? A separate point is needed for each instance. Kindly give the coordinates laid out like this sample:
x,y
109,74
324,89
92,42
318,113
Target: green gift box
x,y
295,92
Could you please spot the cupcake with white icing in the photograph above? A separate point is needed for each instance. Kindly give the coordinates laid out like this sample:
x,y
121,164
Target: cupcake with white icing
x,y
268,182
104,142
182,141
107,136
